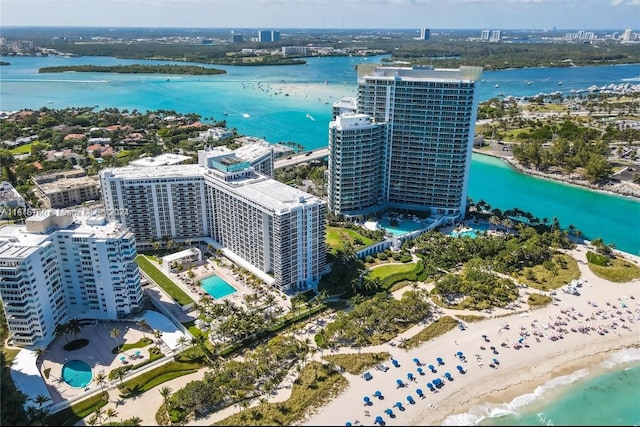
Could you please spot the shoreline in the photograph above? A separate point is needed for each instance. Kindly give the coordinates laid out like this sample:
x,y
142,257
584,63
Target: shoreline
x,y
592,362
520,372
619,189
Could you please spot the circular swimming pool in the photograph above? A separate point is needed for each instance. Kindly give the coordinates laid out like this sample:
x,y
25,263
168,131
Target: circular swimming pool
x,y
76,373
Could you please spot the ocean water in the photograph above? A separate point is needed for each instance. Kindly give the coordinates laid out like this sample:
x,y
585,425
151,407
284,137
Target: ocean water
x,y
604,395
256,105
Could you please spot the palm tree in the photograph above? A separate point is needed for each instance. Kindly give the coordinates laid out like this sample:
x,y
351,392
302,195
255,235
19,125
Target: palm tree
x,y
111,413
40,352
75,327
62,329
99,413
114,334
41,399
165,392
142,323
134,421
157,334
182,340
101,379
121,373
93,420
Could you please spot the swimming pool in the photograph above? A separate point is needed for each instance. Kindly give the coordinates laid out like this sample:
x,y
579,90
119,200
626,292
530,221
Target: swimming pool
x,y
473,233
76,373
403,226
217,287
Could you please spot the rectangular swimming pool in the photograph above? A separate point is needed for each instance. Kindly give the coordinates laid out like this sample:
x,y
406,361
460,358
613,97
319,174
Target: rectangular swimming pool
x,y
217,287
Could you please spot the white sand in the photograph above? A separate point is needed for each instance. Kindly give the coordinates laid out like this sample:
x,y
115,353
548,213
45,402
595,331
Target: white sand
x,y
520,371
311,92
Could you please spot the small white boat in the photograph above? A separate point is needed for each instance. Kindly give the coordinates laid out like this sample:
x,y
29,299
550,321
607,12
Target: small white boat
x,y
245,115
560,83
497,85
309,116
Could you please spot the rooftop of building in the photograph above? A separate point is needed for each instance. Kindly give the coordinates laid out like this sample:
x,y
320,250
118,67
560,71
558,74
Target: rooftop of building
x,y
466,73
17,241
273,194
160,160
152,172
64,184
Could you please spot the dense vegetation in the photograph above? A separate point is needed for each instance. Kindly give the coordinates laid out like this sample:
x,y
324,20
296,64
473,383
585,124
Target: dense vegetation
x,y
134,69
232,381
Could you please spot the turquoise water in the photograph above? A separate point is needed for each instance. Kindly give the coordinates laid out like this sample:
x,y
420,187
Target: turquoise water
x,y
76,373
243,91
596,214
602,395
217,287
473,233
403,226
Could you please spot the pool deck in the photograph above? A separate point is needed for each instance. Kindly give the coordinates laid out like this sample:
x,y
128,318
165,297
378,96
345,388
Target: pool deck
x,y
224,271
97,354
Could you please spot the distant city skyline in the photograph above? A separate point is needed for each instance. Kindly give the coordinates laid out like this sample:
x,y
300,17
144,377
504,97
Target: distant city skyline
x,y
358,14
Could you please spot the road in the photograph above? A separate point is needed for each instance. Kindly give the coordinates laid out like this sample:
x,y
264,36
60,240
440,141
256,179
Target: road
x,y
317,154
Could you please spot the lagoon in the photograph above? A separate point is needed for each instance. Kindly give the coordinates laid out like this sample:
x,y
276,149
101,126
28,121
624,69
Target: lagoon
x,y
256,106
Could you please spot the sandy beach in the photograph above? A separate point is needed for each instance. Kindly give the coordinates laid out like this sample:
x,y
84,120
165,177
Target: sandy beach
x,y
601,304
313,92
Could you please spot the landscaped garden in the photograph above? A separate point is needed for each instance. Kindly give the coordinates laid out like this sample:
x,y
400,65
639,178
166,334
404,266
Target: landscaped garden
x,y
163,281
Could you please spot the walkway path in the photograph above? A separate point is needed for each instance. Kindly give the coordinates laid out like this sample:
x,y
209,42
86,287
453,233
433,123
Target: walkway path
x,y
152,400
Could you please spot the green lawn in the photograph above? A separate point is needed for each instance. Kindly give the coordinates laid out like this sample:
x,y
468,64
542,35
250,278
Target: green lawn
x,y
336,237
25,148
163,281
387,270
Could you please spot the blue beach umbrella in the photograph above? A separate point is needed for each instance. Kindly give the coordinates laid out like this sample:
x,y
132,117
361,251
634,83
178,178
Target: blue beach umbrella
x,y
419,392
420,371
348,423
378,394
430,386
400,383
460,369
432,368
398,405
439,360
388,411
460,354
410,399
417,361
379,420
410,376
367,400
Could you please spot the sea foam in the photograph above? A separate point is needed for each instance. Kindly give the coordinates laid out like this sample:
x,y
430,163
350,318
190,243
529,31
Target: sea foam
x,y
624,356
478,413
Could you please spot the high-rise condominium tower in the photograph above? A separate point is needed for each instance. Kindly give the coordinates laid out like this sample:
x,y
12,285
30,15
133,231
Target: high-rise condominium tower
x,y
58,267
426,153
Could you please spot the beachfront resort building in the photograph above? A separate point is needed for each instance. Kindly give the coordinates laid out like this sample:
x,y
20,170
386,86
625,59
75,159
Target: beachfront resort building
x,y
229,201
354,179
58,267
426,154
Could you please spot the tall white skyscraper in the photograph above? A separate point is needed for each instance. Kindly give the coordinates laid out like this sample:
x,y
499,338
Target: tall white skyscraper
x,y
229,201
430,117
58,267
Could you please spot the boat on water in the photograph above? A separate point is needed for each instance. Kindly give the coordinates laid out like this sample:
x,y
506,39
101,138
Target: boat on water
x,y
225,114
529,83
245,115
497,85
560,83
309,116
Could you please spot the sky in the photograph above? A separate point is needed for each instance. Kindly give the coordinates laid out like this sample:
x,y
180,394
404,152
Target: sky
x,y
282,14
